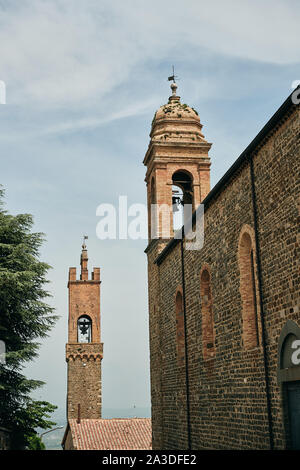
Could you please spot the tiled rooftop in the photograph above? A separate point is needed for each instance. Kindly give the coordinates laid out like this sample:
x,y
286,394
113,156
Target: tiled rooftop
x,y
111,434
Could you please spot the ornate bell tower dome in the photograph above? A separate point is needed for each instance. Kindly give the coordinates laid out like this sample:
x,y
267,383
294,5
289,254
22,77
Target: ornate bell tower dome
x,y
177,155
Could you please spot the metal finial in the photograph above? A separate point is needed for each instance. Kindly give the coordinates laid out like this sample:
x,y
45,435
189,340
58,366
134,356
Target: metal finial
x,y
85,237
173,85
172,77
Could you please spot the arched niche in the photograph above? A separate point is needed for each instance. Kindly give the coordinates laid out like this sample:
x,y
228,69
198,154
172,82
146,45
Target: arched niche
x,y
208,343
248,288
289,353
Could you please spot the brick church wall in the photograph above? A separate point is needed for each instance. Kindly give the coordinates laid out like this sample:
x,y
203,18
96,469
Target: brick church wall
x,y
227,391
277,167
155,342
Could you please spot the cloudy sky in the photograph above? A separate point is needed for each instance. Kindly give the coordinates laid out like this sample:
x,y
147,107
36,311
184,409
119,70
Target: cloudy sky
x,y
83,82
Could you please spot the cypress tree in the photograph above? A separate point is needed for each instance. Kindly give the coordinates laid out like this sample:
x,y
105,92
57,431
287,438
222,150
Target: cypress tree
x,y
25,317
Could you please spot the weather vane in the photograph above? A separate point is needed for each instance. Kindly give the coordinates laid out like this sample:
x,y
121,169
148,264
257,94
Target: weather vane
x,y
85,237
172,77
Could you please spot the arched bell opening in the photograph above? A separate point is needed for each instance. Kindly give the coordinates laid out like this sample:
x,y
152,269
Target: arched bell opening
x,y
182,198
84,329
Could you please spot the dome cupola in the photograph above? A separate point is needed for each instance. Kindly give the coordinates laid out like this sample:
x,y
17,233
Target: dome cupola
x,y
176,121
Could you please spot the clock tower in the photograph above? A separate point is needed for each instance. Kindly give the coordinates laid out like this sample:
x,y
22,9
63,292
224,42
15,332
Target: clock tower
x,y
84,350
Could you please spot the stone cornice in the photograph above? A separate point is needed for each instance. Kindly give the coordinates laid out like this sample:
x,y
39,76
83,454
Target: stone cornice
x,y
204,146
82,281
162,161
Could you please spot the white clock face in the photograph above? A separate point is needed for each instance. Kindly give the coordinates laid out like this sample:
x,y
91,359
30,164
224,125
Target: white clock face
x,y
84,327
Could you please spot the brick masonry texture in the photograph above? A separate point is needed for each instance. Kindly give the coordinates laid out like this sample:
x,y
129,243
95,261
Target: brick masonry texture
x,y
84,359
84,380
228,406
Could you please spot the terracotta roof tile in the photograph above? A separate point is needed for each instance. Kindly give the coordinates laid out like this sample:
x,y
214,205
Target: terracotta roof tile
x,y
111,434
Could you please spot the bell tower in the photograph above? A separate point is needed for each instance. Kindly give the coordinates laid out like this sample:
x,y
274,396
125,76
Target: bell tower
x,y
178,173
177,156
84,350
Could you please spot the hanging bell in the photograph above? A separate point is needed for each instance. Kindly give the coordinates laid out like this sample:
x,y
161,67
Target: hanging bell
x,y
175,203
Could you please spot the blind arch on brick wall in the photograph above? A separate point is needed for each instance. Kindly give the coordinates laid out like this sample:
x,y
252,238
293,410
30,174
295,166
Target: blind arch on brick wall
x,y
208,342
249,288
180,346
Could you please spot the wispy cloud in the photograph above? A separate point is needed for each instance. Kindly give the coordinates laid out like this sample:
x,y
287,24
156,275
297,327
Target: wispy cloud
x,y
61,53
89,123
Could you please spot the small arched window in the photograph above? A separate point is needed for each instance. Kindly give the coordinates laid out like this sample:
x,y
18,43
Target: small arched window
x,y
152,211
208,344
248,289
84,329
180,329
152,191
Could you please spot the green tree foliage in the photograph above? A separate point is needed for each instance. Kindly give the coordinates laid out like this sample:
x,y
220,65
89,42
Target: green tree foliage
x,y
24,318
35,443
